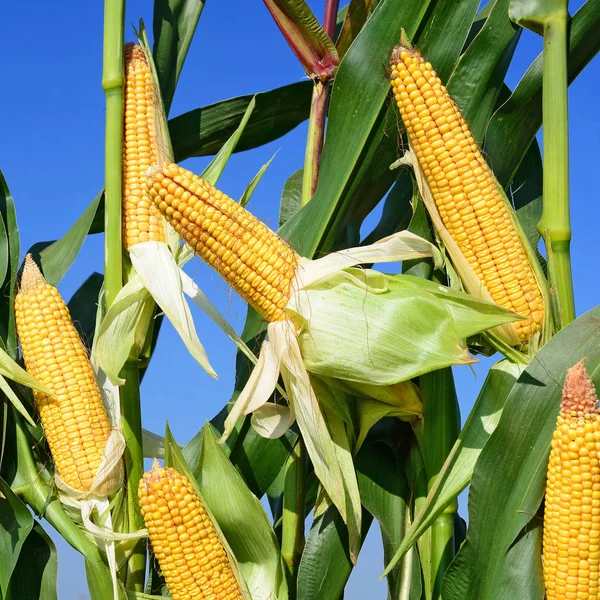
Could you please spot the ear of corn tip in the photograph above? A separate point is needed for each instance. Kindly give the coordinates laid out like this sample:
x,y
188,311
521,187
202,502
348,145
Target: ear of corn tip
x,y
141,220
254,260
74,419
571,541
191,557
464,189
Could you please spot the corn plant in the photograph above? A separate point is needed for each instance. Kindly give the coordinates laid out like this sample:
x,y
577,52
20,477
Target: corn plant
x,y
344,408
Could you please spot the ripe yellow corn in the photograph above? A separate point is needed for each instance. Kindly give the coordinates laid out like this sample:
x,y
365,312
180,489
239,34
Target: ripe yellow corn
x,y
141,220
185,543
571,549
256,262
74,418
464,189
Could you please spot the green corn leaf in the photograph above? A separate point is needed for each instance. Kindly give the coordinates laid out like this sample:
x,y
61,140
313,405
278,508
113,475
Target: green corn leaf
x,y
15,524
11,258
325,564
83,307
517,452
203,131
255,181
216,166
55,258
35,576
355,17
478,75
291,197
174,25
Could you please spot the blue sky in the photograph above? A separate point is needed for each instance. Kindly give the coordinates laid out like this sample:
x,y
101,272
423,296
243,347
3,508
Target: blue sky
x,y
52,133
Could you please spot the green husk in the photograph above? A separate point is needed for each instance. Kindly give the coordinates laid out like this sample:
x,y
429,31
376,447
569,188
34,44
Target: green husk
x,y
389,332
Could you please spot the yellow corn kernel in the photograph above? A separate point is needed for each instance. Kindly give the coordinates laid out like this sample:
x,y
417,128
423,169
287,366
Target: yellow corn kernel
x,y
464,189
256,262
190,555
74,418
141,220
571,543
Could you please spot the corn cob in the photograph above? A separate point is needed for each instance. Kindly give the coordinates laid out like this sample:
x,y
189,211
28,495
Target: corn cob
x,y
256,262
190,555
571,546
464,189
141,220
74,418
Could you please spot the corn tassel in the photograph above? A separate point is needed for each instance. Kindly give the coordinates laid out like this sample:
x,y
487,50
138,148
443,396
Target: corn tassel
x,y
571,546
74,418
190,555
464,189
256,262
141,220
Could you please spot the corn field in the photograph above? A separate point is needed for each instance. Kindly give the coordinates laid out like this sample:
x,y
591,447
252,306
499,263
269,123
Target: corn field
x,y
370,248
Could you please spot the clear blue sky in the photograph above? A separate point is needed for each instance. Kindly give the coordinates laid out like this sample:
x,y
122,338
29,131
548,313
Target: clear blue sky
x,y
52,134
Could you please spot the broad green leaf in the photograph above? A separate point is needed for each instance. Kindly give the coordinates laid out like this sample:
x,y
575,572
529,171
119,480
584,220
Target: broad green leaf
x,y
478,75
305,36
458,467
203,131
434,41
7,289
4,244
325,564
173,26
153,444
385,494
35,576
55,258
216,166
242,520
260,460
255,181
517,452
15,400
83,307
397,208
11,370
15,524
291,197
516,122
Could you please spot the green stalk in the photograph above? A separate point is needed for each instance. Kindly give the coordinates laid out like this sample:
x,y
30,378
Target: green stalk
x,y
112,83
555,225
292,528
131,420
